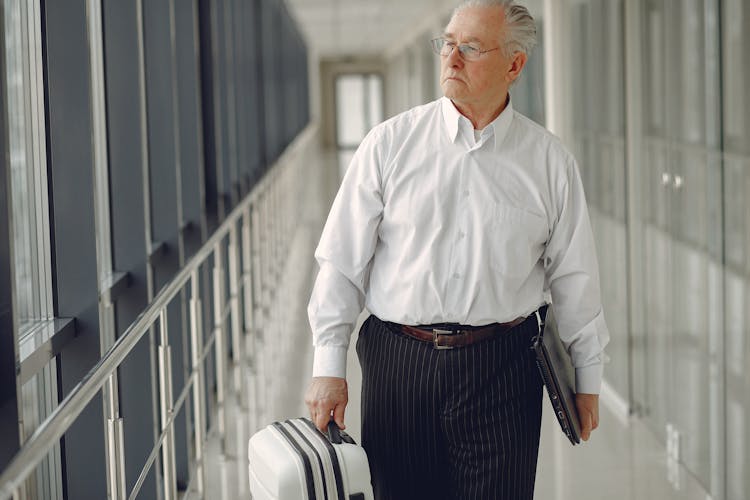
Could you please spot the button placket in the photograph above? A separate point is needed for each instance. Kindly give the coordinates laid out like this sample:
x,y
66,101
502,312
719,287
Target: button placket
x,y
458,258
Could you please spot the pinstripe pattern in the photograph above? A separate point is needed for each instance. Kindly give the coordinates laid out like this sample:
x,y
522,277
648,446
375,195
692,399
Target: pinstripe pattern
x,y
454,424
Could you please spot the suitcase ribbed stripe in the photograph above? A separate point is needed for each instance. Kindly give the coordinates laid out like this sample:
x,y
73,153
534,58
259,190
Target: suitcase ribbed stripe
x,y
317,455
334,459
305,460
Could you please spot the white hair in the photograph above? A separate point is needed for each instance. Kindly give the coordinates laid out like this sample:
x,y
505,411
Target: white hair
x,y
519,27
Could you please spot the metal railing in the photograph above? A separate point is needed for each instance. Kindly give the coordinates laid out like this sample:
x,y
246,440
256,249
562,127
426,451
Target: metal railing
x,y
254,240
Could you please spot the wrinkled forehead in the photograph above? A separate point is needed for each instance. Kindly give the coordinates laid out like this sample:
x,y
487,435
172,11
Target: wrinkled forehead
x,y
481,24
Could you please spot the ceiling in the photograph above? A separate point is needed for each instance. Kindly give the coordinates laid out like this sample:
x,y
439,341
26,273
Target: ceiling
x,y
343,28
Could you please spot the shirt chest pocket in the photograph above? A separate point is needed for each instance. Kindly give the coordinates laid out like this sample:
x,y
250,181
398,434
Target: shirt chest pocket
x,y
516,240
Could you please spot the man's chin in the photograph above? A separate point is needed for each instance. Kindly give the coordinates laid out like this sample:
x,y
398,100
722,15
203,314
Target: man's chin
x,y
451,91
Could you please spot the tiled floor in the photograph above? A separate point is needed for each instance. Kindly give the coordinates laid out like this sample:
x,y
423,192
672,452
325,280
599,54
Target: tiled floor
x,y
623,460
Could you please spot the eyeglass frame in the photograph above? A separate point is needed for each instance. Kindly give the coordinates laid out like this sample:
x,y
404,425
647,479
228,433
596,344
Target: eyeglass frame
x,y
461,49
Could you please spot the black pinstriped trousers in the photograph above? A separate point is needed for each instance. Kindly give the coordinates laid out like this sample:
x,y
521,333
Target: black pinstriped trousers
x,y
450,424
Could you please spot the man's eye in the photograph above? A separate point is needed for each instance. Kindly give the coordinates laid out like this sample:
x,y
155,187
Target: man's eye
x,y
468,49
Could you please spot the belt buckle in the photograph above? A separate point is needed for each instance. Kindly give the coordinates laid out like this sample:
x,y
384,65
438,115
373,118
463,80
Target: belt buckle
x,y
435,335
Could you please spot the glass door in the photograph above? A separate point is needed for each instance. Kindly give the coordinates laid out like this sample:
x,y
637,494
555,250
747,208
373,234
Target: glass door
x,y
598,101
736,128
683,237
359,107
657,181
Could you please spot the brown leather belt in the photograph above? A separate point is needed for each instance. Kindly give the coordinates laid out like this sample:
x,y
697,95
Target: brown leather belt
x,y
448,338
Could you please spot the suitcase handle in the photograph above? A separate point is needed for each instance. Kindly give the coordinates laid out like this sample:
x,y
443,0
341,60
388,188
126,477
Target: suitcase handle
x,y
334,433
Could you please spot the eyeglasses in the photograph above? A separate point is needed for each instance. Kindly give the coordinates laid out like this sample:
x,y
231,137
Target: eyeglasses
x,y
468,52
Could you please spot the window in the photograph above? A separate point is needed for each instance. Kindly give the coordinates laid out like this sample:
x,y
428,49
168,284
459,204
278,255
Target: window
x,y
28,161
359,107
30,223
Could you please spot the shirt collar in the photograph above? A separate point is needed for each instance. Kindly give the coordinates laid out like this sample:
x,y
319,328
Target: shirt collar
x,y
500,125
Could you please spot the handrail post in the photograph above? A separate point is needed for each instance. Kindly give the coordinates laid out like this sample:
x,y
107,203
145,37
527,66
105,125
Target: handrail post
x,y
115,442
286,222
238,358
220,348
113,422
275,226
248,339
166,400
259,311
272,261
199,402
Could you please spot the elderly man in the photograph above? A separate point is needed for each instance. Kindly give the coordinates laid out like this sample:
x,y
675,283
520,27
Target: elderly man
x,y
453,223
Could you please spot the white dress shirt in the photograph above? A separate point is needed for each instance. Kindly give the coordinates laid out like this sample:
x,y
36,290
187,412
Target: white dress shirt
x,y
432,225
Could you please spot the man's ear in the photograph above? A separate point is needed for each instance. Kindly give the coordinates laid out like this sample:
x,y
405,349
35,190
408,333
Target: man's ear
x,y
516,66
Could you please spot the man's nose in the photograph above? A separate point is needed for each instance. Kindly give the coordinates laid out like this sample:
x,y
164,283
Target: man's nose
x,y
454,58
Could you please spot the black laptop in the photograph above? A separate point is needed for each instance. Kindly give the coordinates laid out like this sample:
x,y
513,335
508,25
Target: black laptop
x,y
559,376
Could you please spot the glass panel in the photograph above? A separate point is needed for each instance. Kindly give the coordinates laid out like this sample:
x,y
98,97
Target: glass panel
x,y
736,67
38,403
696,194
30,217
27,161
736,126
657,180
599,135
528,91
737,304
683,237
653,84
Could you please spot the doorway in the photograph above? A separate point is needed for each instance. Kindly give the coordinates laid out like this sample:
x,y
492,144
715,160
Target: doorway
x,y
359,107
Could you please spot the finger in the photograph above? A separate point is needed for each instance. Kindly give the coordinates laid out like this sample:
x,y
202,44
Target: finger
x,y
338,416
586,426
313,410
321,420
594,418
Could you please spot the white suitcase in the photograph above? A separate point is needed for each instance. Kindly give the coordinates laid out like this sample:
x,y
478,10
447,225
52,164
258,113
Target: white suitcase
x,y
293,460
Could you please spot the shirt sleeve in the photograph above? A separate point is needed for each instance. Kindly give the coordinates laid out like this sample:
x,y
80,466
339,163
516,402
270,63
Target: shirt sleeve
x,y
344,253
573,276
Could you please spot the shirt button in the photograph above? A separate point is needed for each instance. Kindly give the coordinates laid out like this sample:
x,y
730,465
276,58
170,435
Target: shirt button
x,y
456,276
461,235
466,193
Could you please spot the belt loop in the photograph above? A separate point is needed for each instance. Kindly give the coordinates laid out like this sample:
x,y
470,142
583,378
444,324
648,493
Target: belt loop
x,y
539,321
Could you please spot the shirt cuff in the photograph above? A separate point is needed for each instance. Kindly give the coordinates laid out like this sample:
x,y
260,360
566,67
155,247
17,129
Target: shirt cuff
x,y
589,379
586,345
329,361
